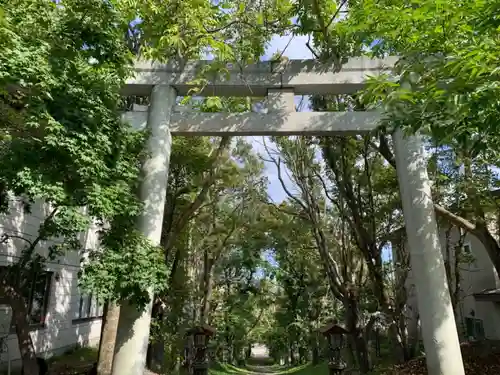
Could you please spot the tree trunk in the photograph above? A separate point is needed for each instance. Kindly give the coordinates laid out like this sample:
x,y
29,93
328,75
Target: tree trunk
x,y
348,355
356,334
287,360
20,318
362,353
314,347
28,356
302,355
108,338
402,327
206,287
315,355
10,295
237,354
229,348
401,308
155,357
291,354
413,334
364,233
249,351
397,343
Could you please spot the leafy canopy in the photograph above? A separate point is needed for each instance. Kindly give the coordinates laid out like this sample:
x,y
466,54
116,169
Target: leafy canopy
x,y
447,78
61,138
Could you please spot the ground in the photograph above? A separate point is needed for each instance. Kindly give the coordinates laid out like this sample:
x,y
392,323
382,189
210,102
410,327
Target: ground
x,y
480,358
75,362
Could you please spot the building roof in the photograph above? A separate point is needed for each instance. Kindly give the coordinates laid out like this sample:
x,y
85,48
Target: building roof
x,y
488,295
333,327
205,328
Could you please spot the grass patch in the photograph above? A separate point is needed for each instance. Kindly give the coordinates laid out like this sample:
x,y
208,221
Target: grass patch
x,y
225,369
77,359
276,369
268,362
235,369
77,356
307,369
266,369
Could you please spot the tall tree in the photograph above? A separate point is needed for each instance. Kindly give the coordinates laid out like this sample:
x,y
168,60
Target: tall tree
x,y
62,142
367,187
346,273
212,202
303,301
443,84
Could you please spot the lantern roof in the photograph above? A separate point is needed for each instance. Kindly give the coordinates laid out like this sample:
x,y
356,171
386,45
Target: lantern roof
x,y
333,328
203,329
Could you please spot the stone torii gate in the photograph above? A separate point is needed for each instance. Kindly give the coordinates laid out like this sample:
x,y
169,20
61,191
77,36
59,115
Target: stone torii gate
x,y
279,82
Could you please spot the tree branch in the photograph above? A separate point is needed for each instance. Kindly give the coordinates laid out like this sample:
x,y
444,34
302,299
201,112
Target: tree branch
x,y
27,252
277,163
200,198
386,152
337,12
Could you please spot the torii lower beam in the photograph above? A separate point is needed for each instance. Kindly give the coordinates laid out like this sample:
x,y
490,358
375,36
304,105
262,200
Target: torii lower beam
x,y
253,124
438,322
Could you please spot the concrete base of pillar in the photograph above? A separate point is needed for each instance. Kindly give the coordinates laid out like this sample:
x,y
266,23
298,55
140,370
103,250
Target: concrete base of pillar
x,y
131,347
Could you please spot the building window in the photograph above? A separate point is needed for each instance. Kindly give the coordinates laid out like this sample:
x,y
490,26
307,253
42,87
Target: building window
x,y
474,328
468,255
467,250
89,308
39,297
479,329
36,294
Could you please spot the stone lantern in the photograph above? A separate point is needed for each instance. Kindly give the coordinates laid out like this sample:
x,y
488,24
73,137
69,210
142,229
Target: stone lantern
x,y
334,334
198,338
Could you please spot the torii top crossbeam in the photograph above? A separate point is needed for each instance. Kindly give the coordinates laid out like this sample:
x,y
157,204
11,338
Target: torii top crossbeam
x,y
278,82
304,76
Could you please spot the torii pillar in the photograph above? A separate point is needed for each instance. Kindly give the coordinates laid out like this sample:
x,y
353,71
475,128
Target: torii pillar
x,y
132,337
299,77
439,330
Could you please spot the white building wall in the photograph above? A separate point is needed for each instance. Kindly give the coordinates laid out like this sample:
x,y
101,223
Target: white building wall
x,y
475,277
62,330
